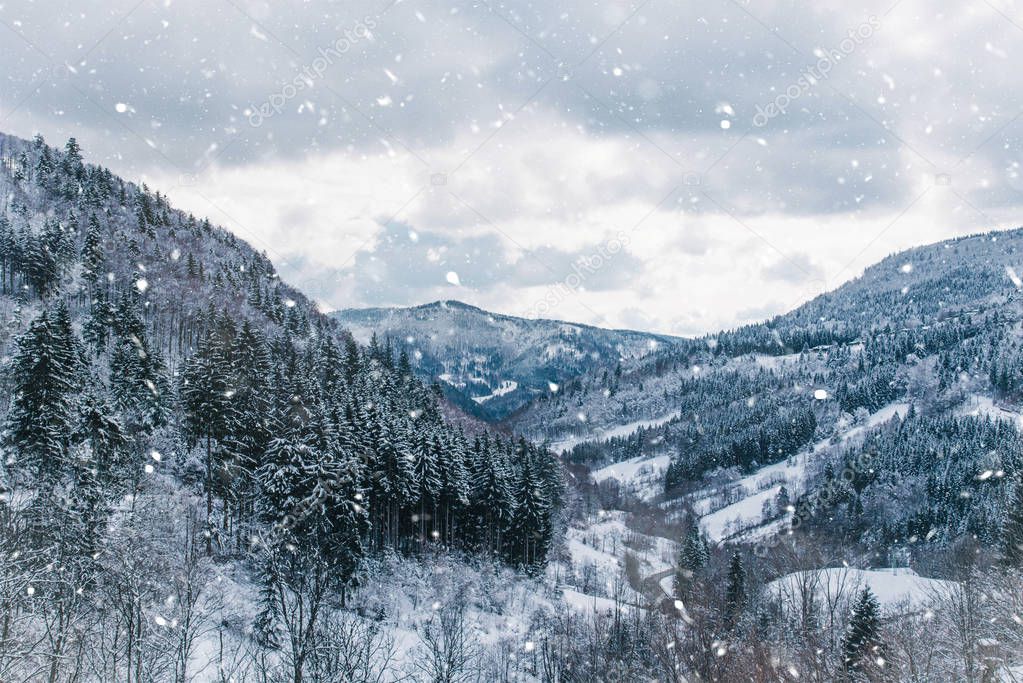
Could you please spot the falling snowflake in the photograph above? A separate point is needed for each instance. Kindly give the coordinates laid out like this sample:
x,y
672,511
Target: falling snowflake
x,y
1014,277
452,278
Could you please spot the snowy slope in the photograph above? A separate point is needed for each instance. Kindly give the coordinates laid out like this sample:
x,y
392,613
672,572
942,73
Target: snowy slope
x,y
896,589
764,484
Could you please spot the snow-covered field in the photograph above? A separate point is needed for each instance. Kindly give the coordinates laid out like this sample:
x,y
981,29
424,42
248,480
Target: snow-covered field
x,y
506,387
984,406
599,552
898,589
642,476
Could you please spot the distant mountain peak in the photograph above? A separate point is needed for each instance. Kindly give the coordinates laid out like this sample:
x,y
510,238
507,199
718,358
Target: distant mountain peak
x,y
491,364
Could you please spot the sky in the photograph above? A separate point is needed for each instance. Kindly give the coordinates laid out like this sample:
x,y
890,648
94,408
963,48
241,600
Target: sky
x,y
677,166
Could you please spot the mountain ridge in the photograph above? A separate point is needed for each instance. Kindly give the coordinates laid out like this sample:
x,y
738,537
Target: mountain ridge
x,y
491,364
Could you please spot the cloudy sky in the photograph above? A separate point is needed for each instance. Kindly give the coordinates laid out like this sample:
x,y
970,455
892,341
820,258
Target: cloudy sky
x,y
673,165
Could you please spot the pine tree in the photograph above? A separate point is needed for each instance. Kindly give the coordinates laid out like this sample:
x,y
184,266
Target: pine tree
x,y
531,524
692,558
1012,530
782,501
42,411
862,649
138,380
92,252
735,593
210,414
100,430
491,499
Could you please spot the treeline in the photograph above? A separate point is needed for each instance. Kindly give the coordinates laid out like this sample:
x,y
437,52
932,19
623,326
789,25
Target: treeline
x,y
146,346
920,481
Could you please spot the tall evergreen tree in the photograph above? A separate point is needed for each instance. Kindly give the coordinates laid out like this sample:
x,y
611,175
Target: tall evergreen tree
x,y
42,413
692,557
1012,530
862,648
531,524
210,414
735,593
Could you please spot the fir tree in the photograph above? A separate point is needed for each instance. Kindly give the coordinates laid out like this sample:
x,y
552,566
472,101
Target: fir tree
x,y
42,411
862,648
1012,530
210,415
92,252
735,593
531,523
692,558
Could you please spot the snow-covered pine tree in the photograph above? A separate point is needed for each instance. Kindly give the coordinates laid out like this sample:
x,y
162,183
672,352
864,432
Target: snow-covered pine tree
x,y
210,413
862,647
692,557
1012,531
530,531
735,592
42,414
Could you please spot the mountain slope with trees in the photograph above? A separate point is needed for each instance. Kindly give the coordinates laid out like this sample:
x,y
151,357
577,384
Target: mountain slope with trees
x,y
174,411
492,364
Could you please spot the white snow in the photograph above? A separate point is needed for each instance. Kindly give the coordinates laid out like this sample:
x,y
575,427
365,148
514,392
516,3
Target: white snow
x,y
729,520
895,588
627,470
774,362
587,603
984,406
610,432
766,482
506,387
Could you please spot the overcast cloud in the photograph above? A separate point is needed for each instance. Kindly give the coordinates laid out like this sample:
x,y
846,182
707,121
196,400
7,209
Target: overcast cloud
x,y
676,166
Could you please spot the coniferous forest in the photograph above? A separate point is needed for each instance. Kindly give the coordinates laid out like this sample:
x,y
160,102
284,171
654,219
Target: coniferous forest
x,y
171,406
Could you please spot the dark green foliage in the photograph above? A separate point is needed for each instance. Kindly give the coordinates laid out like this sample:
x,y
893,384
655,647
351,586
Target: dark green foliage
x,y
862,649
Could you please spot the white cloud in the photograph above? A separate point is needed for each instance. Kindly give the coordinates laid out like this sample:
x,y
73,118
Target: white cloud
x,y
507,167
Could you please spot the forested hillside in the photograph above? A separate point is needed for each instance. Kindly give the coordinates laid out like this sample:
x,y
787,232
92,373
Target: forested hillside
x,y
493,364
173,414
936,328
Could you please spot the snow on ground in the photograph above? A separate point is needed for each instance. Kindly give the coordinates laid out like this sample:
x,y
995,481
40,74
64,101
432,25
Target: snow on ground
x,y
732,519
774,362
984,406
598,553
587,603
628,470
642,476
720,522
896,589
507,386
571,442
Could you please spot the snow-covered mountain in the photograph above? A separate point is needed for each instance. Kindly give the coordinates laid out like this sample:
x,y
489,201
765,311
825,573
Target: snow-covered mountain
x,y
204,478
492,364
